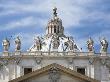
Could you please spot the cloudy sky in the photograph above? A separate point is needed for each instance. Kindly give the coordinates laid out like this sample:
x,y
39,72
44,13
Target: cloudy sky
x,y
28,18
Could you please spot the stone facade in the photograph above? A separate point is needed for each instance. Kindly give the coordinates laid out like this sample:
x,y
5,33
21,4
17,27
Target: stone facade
x,y
96,66
54,73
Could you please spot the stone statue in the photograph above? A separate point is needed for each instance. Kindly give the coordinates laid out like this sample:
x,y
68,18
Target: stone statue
x,y
6,44
55,44
70,43
38,43
17,44
37,40
104,45
90,45
55,41
55,12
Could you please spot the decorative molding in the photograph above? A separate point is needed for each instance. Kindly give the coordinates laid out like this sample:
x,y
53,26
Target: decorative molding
x,y
91,60
38,60
103,61
17,60
54,75
5,62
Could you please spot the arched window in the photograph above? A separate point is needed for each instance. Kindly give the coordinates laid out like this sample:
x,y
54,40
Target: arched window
x,y
58,29
51,29
48,29
55,29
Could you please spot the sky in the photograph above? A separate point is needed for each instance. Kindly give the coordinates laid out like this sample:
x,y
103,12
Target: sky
x,y
28,18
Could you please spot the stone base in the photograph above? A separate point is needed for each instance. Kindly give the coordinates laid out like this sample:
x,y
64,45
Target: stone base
x,y
17,52
103,53
5,53
91,53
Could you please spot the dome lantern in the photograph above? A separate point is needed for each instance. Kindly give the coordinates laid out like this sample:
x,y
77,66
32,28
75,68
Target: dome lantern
x,y
54,26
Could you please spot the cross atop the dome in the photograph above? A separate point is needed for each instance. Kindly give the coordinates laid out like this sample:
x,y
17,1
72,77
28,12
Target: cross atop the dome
x,y
55,12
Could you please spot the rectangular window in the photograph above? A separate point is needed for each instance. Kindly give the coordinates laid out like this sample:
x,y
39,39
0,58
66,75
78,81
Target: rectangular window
x,y
27,70
81,70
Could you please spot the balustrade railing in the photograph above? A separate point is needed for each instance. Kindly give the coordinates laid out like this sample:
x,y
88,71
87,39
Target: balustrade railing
x,y
52,53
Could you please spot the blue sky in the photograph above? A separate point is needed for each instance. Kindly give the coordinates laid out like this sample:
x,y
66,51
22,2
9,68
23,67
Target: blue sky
x,y
28,18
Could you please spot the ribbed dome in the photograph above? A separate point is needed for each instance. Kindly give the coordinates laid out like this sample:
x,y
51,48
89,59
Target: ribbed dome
x,y
55,40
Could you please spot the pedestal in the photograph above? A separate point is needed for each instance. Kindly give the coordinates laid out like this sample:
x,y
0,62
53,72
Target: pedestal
x,y
5,53
91,53
17,52
103,53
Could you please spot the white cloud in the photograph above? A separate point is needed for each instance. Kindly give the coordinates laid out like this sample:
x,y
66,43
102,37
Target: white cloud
x,y
24,22
70,11
20,23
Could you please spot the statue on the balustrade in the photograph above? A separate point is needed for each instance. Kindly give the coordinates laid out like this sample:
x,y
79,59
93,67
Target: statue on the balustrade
x,y
55,11
38,43
70,43
6,44
90,44
55,41
55,44
17,44
104,45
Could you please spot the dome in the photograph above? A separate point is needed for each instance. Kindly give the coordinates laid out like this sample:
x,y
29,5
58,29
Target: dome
x,y
54,40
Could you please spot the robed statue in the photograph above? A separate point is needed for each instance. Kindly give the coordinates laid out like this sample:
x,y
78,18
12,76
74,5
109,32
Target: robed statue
x,y
38,43
90,45
70,43
6,44
17,44
55,12
104,45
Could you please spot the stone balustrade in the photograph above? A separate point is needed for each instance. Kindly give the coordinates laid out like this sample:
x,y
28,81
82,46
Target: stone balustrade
x,y
54,54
